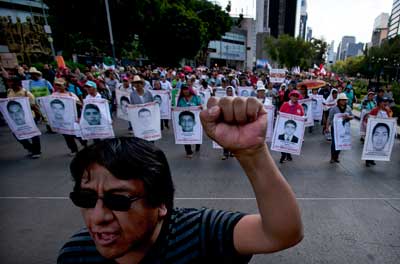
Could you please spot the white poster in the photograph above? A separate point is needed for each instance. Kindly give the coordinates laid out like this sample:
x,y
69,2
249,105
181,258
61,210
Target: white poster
x,y
316,106
245,91
204,97
187,125
220,92
96,120
163,99
277,75
61,113
18,115
145,119
123,100
215,145
379,139
342,132
270,121
308,115
288,133
363,121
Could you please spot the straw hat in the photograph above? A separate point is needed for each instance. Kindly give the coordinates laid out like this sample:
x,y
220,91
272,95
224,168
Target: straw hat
x,y
137,79
342,96
33,70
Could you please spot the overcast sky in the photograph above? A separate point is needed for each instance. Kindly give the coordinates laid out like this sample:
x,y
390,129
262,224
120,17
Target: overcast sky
x,y
332,19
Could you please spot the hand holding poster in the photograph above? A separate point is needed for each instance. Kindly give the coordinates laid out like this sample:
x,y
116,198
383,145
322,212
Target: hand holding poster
x,y
316,106
145,119
270,119
17,112
307,106
379,139
123,100
288,134
342,132
277,75
95,120
245,91
163,99
61,113
187,125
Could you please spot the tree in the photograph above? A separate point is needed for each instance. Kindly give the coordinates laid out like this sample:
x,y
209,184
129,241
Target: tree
x,y
319,47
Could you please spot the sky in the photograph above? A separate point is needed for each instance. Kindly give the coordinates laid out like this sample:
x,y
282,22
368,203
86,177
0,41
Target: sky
x,y
332,19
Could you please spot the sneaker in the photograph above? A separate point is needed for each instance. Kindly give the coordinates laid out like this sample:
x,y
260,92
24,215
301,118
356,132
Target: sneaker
x,y
289,158
372,162
72,154
337,161
189,156
281,161
35,156
224,157
332,161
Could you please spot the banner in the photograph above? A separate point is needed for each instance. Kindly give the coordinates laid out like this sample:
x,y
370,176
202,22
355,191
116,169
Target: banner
x,y
204,95
18,115
220,92
245,91
163,99
123,100
61,113
96,120
277,75
316,106
145,119
187,125
342,132
288,134
379,139
270,122
308,115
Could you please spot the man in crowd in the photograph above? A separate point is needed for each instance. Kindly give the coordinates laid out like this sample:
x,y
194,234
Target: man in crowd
x,y
125,191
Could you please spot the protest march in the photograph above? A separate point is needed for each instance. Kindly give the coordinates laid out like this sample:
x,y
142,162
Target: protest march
x,y
148,98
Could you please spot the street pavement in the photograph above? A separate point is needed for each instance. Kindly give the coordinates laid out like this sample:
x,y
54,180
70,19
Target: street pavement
x,y
351,213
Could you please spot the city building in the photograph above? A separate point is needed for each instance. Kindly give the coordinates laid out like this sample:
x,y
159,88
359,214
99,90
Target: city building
x,y
262,16
23,10
394,21
309,35
380,30
249,25
331,54
342,51
381,21
303,20
354,50
284,17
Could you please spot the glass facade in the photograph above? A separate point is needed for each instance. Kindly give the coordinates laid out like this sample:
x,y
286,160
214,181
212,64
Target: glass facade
x,y
394,23
231,47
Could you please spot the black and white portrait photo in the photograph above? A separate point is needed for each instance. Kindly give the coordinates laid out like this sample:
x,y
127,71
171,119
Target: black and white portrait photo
x,y
187,125
379,140
95,121
145,120
123,101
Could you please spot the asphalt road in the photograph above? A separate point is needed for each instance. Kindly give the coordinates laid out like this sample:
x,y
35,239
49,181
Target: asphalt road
x,y
351,213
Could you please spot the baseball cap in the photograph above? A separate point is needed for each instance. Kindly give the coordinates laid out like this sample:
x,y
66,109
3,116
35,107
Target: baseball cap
x,y
91,84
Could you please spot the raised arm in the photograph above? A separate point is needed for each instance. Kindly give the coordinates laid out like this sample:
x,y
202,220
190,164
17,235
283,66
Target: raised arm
x,y
239,125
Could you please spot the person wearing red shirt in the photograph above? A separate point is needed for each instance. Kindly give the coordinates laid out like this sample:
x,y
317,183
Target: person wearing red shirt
x,y
294,108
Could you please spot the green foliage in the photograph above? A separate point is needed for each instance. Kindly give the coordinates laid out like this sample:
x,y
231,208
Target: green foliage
x,y
319,47
351,66
70,64
164,30
396,92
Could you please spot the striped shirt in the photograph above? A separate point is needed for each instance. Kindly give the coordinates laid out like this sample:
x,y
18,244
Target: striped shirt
x,y
189,236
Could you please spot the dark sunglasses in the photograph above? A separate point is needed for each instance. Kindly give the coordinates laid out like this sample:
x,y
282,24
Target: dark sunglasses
x,y
114,202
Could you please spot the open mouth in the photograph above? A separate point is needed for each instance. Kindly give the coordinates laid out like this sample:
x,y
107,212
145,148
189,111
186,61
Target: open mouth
x,y
105,238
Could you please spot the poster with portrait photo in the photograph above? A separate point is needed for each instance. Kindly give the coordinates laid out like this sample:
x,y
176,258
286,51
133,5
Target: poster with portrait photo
x,y
145,119
61,113
307,106
317,107
220,92
380,138
18,115
187,125
204,95
277,75
288,134
245,91
342,132
96,120
123,100
163,99
270,109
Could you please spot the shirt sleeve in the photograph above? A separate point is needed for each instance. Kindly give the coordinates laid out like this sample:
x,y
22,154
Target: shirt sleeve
x,y
216,236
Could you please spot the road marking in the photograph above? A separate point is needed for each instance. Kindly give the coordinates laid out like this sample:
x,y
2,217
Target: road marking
x,y
219,198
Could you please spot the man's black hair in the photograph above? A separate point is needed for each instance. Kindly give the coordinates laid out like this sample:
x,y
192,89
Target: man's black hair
x,y
12,103
381,125
158,96
186,113
291,122
124,98
143,110
57,101
129,158
92,106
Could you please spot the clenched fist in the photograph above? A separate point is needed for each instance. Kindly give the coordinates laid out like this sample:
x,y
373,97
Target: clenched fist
x,y
236,123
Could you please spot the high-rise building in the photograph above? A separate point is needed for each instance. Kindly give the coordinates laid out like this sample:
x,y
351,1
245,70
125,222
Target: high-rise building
x,y
249,24
262,16
346,40
309,34
380,30
284,17
394,21
331,54
381,21
303,19
354,50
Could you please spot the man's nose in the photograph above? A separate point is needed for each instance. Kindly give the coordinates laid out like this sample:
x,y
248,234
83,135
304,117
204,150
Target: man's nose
x,y
101,214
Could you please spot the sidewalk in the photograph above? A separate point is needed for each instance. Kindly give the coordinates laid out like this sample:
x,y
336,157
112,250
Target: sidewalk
x,y
357,115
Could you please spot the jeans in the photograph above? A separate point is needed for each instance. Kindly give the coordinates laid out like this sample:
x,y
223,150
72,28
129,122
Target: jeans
x,y
189,151
70,140
32,145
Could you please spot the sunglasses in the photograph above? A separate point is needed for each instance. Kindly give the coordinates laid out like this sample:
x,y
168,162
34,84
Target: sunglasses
x,y
114,202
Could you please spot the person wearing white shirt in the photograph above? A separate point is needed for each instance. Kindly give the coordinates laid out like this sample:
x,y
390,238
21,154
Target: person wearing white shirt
x,y
165,85
91,88
125,85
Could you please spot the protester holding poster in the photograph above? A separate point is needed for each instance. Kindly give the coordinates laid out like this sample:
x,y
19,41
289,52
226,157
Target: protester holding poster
x,y
245,91
145,119
96,120
380,133
187,127
17,112
277,75
342,133
329,103
288,135
294,108
366,106
163,99
340,108
316,105
61,110
123,100
307,107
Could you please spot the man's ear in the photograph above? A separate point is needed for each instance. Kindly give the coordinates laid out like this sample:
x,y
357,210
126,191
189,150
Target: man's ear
x,y
162,211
